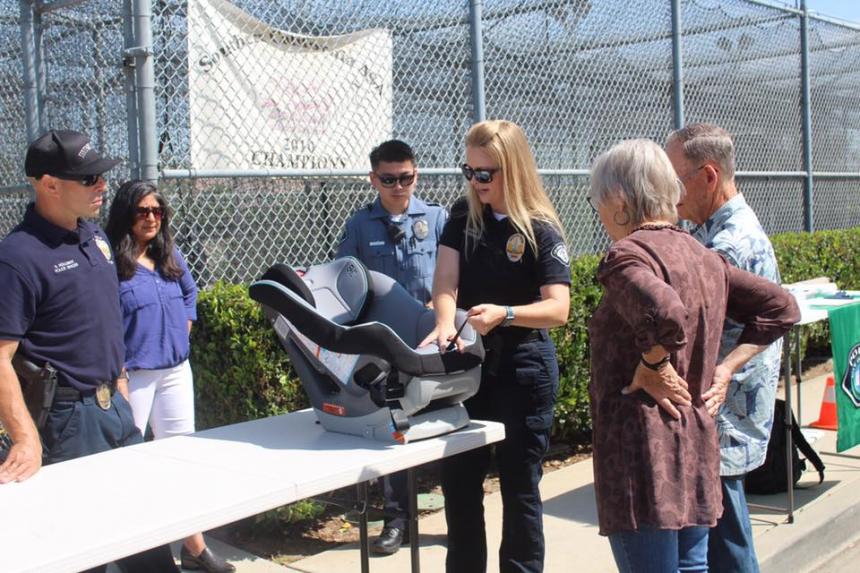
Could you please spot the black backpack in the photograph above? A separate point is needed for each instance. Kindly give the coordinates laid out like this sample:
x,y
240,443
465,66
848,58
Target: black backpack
x,y
770,476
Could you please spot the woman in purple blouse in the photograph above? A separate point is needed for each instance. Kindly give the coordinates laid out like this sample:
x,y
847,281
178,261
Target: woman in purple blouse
x,y
654,349
158,298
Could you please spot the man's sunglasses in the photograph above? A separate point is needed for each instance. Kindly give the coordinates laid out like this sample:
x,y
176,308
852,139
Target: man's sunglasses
x,y
480,175
85,180
144,212
391,180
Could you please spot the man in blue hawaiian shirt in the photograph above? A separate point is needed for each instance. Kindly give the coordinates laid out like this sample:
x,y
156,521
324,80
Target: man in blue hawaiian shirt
x,y
704,158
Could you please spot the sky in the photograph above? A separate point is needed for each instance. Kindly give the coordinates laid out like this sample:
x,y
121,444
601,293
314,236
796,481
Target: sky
x,y
844,9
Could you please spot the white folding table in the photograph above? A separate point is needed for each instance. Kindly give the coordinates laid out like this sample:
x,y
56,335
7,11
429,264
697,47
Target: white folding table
x,y
82,513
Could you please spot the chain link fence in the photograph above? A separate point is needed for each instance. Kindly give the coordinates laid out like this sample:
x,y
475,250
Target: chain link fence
x,y
578,75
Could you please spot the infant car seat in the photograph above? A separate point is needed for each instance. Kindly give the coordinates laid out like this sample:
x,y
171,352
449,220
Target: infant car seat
x,y
352,334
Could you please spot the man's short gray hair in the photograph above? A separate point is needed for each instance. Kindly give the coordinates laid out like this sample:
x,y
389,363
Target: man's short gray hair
x,y
703,142
639,172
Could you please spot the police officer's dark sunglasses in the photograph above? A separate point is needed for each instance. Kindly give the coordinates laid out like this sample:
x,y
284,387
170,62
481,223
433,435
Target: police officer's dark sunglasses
x,y
85,180
144,212
391,180
480,175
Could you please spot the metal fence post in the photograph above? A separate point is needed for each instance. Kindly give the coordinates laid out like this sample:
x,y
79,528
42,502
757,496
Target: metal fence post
x,y
808,220
479,111
28,56
128,66
677,65
145,87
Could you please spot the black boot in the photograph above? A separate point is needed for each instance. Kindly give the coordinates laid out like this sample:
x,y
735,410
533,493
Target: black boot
x,y
389,541
206,561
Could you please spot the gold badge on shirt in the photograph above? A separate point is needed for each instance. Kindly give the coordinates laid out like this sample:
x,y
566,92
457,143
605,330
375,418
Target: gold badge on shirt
x,y
421,229
515,247
104,248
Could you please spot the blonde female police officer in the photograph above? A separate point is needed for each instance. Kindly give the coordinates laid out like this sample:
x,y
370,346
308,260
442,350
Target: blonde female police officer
x,y
502,256
396,235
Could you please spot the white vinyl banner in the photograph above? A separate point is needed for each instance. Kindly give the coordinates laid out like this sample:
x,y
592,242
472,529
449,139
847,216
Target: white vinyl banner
x,y
262,98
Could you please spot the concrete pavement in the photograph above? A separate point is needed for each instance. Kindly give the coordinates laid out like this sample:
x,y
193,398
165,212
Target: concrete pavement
x,y
825,521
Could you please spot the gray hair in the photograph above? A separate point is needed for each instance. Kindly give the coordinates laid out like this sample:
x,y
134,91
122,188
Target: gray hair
x,y
639,172
702,142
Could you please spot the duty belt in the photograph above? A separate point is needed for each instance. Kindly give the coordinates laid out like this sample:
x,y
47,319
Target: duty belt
x,y
103,393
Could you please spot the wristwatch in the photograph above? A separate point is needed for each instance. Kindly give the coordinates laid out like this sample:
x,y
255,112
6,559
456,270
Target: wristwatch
x,y
655,366
509,316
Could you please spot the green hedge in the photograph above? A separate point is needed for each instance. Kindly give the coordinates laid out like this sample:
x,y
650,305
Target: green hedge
x,y
832,254
242,373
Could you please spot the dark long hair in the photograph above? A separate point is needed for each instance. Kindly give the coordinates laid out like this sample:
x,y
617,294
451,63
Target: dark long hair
x,y
122,217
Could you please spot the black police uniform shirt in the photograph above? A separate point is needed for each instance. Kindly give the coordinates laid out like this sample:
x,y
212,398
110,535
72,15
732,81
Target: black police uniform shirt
x,y
410,260
60,299
500,266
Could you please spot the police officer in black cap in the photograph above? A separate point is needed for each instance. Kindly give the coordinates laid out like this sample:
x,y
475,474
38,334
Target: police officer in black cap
x,y
502,256
60,315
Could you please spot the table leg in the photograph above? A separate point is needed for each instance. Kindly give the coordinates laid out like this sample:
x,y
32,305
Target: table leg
x,y
413,520
786,358
365,552
798,371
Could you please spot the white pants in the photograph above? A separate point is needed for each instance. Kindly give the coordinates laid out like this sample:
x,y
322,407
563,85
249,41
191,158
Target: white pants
x,y
164,398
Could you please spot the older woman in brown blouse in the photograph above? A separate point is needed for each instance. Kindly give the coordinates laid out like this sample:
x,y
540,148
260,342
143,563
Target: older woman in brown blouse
x,y
654,343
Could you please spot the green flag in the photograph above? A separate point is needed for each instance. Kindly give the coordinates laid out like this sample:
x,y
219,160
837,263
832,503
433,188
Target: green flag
x,y
845,341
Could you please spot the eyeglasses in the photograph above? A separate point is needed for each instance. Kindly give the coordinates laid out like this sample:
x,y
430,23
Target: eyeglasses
x,y
392,180
85,180
480,175
591,203
144,212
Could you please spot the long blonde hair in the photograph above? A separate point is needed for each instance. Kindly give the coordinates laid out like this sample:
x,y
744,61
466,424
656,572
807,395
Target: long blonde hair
x,y
523,192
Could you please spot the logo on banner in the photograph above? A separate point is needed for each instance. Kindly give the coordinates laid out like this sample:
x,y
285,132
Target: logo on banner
x,y
851,379
265,98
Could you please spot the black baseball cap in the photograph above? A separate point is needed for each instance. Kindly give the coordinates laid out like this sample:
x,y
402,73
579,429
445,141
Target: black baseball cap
x,y
65,154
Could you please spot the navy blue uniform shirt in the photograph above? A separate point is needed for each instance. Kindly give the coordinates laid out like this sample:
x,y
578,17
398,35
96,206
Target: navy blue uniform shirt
x,y
412,260
60,299
503,269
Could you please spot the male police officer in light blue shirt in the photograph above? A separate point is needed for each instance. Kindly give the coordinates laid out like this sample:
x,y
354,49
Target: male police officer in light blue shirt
x,y
396,235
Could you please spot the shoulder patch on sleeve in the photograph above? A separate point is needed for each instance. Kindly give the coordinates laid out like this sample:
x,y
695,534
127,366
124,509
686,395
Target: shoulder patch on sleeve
x,y
559,253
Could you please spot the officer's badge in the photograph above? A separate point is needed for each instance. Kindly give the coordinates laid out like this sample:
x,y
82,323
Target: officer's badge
x,y
559,253
421,229
515,247
104,248
103,396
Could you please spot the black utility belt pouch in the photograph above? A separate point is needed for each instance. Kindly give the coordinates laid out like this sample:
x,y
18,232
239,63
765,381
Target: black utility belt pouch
x,y
38,385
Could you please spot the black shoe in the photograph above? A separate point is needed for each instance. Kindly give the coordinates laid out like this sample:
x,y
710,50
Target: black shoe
x,y
389,541
207,561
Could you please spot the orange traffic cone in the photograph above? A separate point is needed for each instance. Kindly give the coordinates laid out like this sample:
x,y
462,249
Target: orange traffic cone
x,y
827,419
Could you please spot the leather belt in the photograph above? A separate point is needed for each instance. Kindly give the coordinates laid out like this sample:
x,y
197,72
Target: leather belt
x,y
514,335
103,393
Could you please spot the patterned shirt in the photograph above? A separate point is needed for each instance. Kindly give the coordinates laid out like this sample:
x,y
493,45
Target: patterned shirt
x,y
744,421
663,287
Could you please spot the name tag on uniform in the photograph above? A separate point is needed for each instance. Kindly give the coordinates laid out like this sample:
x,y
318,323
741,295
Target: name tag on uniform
x,y
376,243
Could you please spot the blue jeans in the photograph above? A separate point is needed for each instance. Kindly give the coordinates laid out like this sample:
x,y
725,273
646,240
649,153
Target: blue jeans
x,y
520,394
80,428
652,550
730,544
